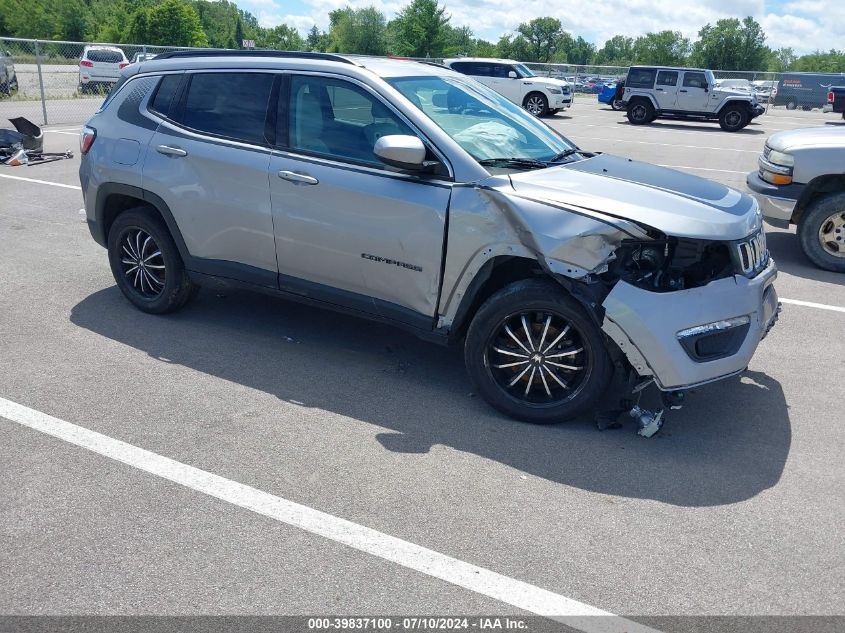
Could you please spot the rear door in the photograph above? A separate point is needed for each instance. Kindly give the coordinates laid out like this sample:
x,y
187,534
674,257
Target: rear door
x,y
666,89
350,230
693,95
208,161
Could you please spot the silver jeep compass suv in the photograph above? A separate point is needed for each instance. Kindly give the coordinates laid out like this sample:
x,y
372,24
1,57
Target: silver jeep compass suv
x,y
411,194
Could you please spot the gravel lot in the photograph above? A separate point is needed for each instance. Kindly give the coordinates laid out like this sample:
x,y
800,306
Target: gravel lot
x,y
735,508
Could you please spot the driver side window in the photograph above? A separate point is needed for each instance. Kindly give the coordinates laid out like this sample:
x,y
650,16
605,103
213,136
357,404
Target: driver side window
x,y
336,118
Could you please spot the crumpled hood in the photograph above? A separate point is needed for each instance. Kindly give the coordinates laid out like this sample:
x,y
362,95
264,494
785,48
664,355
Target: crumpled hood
x,y
670,201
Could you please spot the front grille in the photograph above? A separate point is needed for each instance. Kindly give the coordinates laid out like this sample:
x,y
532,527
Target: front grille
x,y
565,90
766,151
752,254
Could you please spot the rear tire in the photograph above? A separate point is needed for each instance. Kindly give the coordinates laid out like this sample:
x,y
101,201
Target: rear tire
x,y
733,118
146,263
821,232
560,347
640,112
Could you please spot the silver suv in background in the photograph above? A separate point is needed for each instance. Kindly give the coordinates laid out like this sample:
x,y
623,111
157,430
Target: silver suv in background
x,y
800,181
653,92
513,80
100,67
354,184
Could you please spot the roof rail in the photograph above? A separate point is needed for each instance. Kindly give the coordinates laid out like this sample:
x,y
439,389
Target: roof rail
x,y
226,52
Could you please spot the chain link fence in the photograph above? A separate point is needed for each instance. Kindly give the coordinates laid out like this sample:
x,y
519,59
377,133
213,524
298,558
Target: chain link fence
x,y
50,84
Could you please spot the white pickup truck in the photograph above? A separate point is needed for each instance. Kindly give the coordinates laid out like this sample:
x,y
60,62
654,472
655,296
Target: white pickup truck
x,y
801,180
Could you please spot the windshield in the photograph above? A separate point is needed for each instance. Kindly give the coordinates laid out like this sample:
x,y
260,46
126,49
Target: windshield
x,y
524,70
481,121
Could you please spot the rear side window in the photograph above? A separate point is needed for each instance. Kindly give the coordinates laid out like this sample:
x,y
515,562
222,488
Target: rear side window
x,y
667,78
462,67
108,57
695,80
231,105
163,97
640,78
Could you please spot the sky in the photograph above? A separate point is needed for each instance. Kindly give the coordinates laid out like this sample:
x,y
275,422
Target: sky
x,y
804,25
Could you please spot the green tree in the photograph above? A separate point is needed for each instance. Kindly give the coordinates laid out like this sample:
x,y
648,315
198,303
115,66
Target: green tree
x,y
361,31
731,45
239,33
421,29
580,52
542,38
317,40
169,23
666,48
831,62
781,59
281,38
617,51
459,41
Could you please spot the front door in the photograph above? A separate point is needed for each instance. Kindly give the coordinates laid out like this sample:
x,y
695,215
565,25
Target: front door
x,y
693,95
349,230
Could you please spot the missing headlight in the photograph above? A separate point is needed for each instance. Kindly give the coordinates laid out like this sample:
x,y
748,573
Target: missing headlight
x,y
671,264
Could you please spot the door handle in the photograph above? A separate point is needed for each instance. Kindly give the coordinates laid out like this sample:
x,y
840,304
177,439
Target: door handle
x,y
300,179
659,89
681,90
171,151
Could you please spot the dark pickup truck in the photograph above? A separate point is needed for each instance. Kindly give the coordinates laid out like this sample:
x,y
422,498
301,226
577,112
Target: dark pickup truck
x,y
836,100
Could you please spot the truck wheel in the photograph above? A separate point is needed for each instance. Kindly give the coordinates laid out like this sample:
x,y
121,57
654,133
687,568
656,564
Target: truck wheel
x,y
640,112
536,104
821,232
146,263
733,118
791,105
535,355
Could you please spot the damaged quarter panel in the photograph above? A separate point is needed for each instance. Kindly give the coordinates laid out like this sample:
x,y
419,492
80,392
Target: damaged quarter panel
x,y
487,220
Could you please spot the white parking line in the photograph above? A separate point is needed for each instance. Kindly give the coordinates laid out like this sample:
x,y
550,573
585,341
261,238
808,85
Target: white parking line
x,y
724,171
620,140
41,182
63,132
478,579
810,304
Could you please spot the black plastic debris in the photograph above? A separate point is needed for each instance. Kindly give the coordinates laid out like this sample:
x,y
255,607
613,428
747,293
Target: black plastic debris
x,y
24,145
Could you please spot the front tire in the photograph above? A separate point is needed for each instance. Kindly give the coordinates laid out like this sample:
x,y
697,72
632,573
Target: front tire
x,y
733,118
146,263
791,105
640,112
617,104
534,354
536,104
821,232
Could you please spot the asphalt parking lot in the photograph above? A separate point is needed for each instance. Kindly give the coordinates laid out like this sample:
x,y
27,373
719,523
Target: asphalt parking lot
x,y
735,508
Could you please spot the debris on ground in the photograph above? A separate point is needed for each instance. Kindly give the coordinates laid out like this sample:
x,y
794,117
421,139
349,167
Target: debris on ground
x,y
24,145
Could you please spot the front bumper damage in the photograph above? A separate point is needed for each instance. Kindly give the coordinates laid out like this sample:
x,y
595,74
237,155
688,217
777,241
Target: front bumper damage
x,y
663,334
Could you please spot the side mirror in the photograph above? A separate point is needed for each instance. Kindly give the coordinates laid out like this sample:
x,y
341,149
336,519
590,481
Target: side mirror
x,y
706,87
512,74
401,151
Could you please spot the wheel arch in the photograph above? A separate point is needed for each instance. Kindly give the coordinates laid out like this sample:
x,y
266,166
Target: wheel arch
x,y
115,198
829,183
643,97
732,101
